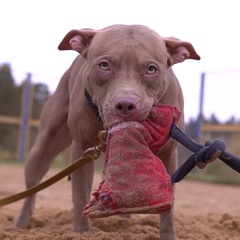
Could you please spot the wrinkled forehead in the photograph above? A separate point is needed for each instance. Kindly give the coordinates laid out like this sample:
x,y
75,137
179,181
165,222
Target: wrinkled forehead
x,y
121,38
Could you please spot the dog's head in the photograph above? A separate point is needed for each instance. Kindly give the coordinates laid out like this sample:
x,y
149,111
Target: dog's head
x,y
126,68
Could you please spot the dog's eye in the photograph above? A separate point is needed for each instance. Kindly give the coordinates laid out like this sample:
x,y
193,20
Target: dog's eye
x,y
151,69
104,66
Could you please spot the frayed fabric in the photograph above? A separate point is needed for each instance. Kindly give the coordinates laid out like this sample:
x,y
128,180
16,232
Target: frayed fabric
x,y
134,179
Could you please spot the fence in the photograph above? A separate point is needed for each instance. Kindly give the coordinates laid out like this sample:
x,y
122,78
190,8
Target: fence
x,y
24,122
21,131
221,99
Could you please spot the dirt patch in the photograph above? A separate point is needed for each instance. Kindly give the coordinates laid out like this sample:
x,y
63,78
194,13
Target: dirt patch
x,y
203,211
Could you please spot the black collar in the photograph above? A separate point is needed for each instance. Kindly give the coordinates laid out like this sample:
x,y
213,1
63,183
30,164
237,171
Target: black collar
x,y
92,104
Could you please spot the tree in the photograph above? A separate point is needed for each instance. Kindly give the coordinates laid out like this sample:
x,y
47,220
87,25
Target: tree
x,y
213,119
232,120
11,104
8,97
41,95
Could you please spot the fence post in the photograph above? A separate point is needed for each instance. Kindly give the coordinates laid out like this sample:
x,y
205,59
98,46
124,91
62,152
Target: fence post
x,y
25,118
200,114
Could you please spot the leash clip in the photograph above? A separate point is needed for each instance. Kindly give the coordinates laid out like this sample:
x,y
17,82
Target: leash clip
x,y
96,151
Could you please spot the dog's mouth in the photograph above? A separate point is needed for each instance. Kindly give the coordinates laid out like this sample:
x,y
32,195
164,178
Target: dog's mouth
x,y
109,123
111,116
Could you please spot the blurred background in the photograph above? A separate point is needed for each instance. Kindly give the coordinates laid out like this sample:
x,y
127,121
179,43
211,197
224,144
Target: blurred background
x,y
31,66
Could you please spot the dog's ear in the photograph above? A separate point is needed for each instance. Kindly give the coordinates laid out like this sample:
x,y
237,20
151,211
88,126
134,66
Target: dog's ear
x,y
179,50
77,40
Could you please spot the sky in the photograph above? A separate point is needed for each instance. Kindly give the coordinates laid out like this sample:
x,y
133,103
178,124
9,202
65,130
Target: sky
x,y
30,32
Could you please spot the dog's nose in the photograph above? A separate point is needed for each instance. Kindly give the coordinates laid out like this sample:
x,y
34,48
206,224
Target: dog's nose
x,y
125,106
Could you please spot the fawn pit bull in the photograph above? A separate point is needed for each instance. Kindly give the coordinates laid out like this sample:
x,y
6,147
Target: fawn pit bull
x,y
125,70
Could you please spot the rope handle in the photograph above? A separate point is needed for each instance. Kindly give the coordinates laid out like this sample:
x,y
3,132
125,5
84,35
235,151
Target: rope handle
x,y
203,154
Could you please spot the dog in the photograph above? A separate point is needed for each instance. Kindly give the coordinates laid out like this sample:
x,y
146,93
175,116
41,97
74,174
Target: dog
x,y
124,70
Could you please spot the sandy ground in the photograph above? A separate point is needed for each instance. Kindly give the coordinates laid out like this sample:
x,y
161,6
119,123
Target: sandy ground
x,y
203,211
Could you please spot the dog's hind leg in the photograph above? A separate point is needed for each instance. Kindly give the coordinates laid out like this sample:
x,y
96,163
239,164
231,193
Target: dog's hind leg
x,y
38,163
53,137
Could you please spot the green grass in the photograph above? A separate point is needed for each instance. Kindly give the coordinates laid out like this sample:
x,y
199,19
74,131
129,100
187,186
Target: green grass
x,y
10,162
216,172
57,163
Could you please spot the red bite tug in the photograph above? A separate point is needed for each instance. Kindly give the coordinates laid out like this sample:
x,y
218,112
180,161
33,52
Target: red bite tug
x,y
134,179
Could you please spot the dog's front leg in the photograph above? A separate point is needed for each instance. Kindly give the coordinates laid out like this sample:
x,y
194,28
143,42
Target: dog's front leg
x,y
81,189
169,157
167,228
